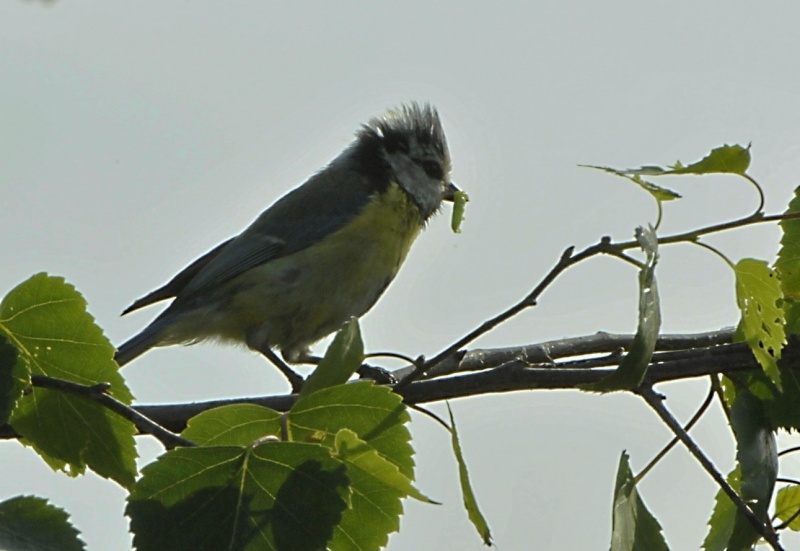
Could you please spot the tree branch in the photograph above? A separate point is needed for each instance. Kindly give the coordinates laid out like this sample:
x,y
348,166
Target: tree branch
x,y
502,370
656,402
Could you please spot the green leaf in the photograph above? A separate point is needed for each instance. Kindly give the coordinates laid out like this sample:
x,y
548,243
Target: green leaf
x,y
726,158
340,418
276,495
725,518
375,413
470,502
342,359
756,450
377,488
753,478
633,367
14,378
29,523
234,425
47,322
379,418
787,506
357,454
660,193
788,266
758,294
460,200
634,528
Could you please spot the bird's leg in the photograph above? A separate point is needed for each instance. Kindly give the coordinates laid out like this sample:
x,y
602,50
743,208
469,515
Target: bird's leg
x,y
259,345
295,379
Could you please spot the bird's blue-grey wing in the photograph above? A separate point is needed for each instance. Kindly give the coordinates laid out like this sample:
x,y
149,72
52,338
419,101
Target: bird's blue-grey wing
x,y
304,216
177,283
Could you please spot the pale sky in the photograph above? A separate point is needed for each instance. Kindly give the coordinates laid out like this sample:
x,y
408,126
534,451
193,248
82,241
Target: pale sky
x,y
139,135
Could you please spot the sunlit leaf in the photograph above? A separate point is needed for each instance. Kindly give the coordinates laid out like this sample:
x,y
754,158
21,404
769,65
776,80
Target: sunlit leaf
x,y
378,417
788,266
787,506
342,359
660,193
360,416
470,501
233,425
29,523
47,322
762,322
726,158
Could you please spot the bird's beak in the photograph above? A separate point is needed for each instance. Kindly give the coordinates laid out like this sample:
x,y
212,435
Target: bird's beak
x,y
450,192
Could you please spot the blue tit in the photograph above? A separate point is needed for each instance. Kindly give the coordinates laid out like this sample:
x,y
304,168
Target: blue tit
x,y
324,252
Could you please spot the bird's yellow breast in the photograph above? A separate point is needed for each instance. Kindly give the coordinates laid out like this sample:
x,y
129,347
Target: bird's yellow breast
x,y
295,300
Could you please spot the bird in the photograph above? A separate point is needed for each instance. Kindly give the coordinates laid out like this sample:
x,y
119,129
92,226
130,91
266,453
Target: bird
x,y
323,253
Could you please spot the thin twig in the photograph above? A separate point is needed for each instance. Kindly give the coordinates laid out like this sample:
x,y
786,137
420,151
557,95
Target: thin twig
x,y
789,450
665,450
655,402
566,260
98,394
693,235
430,414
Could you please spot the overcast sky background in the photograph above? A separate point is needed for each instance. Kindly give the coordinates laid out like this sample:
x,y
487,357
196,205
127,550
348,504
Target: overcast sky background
x,y
136,136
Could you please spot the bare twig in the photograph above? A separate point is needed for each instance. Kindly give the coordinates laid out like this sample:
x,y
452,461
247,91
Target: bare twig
x,y
98,394
656,402
665,450
566,260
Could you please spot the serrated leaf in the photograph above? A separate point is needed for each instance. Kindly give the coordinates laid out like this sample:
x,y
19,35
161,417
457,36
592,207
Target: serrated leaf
x,y
634,528
460,200
234,425
724,519
378,417
660,193
726,158
357,454
377,488
342,358
14,377
467,493
46,320
762,322
787,506
788,266
633,367
277,495
29,523
375,413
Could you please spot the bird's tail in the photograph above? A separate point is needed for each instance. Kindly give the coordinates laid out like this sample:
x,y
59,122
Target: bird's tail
x,y
141,343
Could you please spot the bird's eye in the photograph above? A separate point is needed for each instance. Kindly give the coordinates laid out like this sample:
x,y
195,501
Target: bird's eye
x,y
432,169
